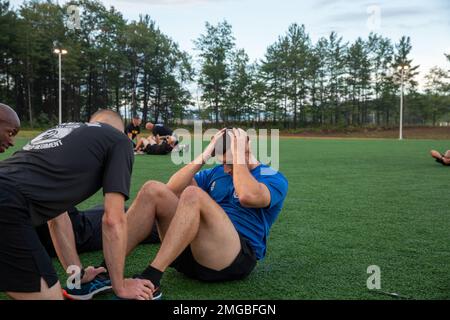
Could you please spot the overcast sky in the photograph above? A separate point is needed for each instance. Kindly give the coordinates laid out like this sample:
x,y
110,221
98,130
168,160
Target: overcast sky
x,y
258,23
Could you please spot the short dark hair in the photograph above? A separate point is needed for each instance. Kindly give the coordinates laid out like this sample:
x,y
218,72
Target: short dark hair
x,y
223,145
136,116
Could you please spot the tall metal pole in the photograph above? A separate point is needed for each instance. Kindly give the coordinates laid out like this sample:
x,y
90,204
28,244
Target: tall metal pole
x,y
401,106
60,96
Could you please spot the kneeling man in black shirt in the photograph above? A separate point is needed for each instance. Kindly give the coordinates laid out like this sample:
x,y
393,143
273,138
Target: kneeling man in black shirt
x,y
151,147
57,170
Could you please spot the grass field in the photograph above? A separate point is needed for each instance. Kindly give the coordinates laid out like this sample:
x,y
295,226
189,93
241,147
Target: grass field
x,y
351,204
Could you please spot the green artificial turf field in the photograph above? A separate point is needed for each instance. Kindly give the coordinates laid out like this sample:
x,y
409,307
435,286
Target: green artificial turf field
x,y
351,204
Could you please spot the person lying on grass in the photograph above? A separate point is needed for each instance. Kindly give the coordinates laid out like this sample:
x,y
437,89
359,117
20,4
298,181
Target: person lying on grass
x,y
441,158
213,223
152,147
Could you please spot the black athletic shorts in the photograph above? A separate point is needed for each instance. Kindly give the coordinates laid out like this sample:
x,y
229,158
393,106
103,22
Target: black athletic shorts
x,y
87,228
23,259
241,267
158,149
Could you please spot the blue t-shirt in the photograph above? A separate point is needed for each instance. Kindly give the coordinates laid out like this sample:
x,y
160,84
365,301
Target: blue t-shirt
x,y
253,224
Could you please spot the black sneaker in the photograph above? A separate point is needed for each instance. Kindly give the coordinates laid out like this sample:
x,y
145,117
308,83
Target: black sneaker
x,y
157,294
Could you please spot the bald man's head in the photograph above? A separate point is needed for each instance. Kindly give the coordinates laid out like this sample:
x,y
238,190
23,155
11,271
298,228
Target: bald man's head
x,y
109,117
8,115
9,127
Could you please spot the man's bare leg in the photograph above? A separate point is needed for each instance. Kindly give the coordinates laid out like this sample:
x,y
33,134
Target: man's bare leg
x,y
437,155
201,223
154,201
139,144
447,157
46,293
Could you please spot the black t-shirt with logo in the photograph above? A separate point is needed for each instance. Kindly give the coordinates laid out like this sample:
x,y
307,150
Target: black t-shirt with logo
x,y
134,130
161,130
66,165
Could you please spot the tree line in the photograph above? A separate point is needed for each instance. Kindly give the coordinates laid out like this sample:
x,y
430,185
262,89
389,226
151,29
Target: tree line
x,y
133,67
110,63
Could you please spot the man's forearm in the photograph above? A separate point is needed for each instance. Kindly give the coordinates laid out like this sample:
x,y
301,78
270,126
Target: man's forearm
x,y
183,177
243,181
245,184
114,249
61,232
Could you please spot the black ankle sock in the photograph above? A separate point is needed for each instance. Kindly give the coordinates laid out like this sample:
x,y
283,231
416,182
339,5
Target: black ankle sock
x,y
152,274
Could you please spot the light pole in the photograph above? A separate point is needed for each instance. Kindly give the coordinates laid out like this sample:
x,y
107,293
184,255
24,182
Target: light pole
x,y
60,52
402,69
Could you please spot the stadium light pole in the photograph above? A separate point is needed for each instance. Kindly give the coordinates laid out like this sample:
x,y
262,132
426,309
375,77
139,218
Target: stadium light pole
x,y
60,52
402,69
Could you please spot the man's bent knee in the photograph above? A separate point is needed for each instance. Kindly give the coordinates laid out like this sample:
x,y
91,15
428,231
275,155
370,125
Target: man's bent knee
x,y
191,194
192,191
154,188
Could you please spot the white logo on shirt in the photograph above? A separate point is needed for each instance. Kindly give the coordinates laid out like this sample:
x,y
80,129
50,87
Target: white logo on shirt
x,y
235,195
51,138
213,185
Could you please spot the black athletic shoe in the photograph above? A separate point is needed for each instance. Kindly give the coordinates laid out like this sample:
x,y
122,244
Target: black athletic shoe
x,y
157,294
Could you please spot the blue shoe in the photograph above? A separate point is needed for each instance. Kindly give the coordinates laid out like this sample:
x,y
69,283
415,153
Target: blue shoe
x,y
90,289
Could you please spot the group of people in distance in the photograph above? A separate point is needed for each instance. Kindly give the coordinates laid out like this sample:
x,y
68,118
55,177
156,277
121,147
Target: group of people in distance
x,y
213,224
161,141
